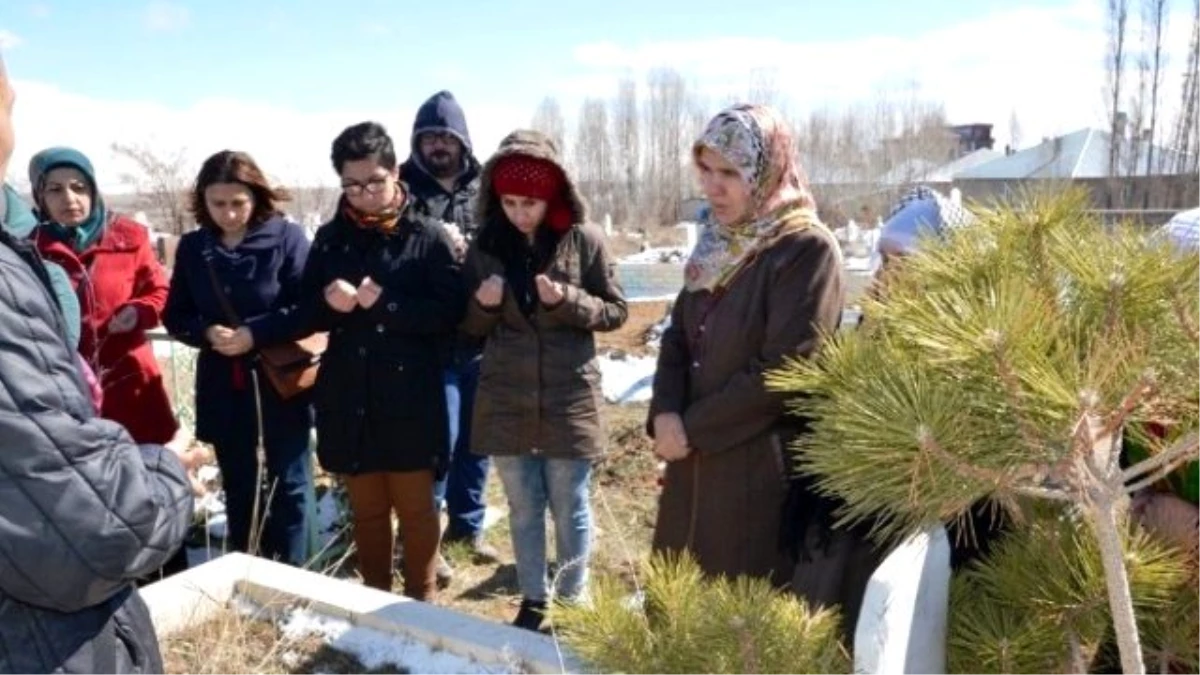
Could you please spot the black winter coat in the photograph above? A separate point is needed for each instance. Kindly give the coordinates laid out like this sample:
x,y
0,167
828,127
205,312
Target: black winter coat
x,y
379,397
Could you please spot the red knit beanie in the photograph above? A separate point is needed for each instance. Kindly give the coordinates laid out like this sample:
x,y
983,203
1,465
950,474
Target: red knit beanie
x,y
535,178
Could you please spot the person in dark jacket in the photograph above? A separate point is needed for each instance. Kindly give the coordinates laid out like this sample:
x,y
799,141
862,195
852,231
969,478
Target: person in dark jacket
x,y
763,284
443,179
441,171
542,285
84,511
388,288
247,252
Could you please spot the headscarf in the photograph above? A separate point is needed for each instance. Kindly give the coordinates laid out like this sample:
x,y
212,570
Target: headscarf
x,y
82,236
922,212
17,218
758,141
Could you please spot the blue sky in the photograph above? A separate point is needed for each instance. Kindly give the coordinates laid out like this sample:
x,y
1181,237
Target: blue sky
x,y
303,53
281,78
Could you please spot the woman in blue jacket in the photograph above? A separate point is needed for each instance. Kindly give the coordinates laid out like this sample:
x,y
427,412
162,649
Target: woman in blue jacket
x,y
246,251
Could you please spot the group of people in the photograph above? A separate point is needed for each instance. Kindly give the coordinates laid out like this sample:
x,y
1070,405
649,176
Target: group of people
x,y
447,290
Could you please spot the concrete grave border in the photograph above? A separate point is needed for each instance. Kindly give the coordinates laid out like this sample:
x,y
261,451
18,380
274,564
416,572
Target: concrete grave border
x,y
198,594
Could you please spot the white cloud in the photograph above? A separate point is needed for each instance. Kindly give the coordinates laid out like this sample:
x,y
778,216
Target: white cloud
x,y
290,145
163,16
9,39
1046,63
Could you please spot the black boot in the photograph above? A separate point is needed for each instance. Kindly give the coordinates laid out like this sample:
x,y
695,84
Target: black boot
x,y
531,616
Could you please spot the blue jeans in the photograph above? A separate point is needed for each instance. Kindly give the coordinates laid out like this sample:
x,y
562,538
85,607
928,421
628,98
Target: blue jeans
x,y
531,484
461,490
288,480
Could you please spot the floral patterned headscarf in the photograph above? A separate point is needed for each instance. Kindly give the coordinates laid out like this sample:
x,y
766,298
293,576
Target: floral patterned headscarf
x,y
757,140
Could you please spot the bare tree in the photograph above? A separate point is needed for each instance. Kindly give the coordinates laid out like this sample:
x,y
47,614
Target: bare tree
x,y
666,112
1154,15
1186,137
161,183
764,89
310,204
1014,131
1136,108
863,155
1117,16
548,119
627,148
594,157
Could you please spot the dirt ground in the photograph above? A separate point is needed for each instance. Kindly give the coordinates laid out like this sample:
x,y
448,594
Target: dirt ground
x,y
624,500
631,336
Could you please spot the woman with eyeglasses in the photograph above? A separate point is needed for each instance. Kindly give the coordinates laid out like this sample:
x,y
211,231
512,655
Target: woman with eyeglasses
x,y
388,289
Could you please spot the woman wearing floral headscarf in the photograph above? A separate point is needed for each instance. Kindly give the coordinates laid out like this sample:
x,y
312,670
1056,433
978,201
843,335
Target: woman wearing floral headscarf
x,y
764,283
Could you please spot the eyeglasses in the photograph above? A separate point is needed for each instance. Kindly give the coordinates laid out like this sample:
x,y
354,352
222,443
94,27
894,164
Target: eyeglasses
x,y
443,137
371,187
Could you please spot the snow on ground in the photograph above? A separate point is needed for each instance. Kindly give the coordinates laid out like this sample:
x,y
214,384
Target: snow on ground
x,y
667,254
375,648
858,264
627,380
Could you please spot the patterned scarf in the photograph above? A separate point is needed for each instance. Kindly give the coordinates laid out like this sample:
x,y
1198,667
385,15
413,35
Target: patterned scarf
x,y
757,141
386,220
921,212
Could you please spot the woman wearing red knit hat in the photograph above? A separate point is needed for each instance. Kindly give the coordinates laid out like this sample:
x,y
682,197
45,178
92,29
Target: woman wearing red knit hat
x,y
541,284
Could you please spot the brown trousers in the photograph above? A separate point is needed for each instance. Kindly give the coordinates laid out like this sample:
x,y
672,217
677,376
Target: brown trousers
x,y
373,497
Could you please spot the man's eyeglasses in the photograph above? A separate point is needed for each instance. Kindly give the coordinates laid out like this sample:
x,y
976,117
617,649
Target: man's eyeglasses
x,y
443,137
371,187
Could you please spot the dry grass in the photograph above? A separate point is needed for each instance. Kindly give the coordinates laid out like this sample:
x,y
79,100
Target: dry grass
x,y
234,642
631,337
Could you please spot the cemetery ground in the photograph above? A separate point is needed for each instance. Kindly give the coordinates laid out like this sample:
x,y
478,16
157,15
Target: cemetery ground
x,y
624,502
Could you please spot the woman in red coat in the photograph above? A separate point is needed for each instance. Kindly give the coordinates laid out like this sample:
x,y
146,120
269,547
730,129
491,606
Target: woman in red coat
x,y
121,287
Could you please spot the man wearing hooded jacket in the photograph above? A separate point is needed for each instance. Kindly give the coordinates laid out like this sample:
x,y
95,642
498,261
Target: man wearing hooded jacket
x,y
84,511
442,175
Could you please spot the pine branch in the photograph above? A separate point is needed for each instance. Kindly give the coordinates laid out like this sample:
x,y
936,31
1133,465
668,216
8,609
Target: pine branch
x,y
1112,555
1146,385
1185,322
1184,449
927,444
1012,390
1053,494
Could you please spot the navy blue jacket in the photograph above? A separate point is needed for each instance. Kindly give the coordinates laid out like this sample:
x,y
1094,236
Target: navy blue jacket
x,y
443,113
261,278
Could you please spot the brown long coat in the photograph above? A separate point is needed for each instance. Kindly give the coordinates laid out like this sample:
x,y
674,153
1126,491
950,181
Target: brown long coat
x,y
539,383
723,501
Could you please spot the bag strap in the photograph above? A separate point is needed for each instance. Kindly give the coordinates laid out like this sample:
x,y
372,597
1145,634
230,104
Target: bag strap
x,y
231,314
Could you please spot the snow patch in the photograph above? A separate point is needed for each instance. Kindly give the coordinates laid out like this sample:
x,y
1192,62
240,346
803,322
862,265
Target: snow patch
x,y
627,380
375,648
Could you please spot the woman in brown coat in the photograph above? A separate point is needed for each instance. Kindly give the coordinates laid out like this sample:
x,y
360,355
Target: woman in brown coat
x,y
541,285
763,283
